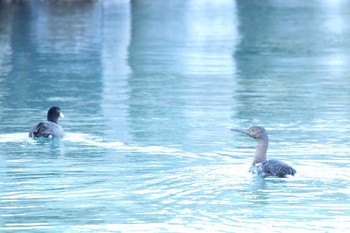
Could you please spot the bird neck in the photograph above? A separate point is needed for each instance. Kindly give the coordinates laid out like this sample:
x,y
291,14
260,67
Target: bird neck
x,y
52,119
261,149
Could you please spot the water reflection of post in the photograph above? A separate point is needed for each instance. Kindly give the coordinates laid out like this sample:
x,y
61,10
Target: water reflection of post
x,y
115,42
157,34
181,56
210,44
5,42
289,54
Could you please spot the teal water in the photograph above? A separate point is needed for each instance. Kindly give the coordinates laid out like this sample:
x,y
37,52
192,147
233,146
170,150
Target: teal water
x,y
150,90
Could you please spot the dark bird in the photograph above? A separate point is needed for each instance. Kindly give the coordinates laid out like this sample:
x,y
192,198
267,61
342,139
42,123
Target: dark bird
x,y
261,165
49,128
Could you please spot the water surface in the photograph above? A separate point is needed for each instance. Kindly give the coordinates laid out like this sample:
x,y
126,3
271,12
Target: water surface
x,y
149,90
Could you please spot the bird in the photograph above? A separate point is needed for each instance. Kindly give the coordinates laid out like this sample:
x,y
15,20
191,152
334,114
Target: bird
x,y
261,166
49,128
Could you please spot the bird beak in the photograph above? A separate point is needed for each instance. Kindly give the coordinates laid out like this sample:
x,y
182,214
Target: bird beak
x,y
240,131
61,115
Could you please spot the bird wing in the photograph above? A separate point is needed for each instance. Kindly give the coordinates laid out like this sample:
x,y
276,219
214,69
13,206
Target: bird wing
x,y
39,129
279,168
45,129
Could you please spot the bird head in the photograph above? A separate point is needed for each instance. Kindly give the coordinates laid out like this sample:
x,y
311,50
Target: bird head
x,y
255,132
54,113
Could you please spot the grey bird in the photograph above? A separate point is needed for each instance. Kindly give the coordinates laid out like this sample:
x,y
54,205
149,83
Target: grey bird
x,y
49,128
261,165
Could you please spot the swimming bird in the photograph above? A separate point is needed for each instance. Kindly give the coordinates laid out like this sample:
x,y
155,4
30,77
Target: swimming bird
x,y
261,165
49,128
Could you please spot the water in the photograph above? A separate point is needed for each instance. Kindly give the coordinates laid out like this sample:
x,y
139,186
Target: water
x,y
149,90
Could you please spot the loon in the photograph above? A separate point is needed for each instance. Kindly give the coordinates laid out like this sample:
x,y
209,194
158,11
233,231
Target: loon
x,y
49,128
261,165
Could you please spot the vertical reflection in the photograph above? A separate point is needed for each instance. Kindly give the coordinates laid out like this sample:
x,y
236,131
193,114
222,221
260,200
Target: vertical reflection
x,y
290,53
5,42
53,45
115,42
211,39
336,60
15,23
157,32
181,56
5,56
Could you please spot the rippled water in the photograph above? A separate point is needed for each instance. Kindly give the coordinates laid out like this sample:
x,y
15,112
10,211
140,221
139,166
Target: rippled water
x,y
150,90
